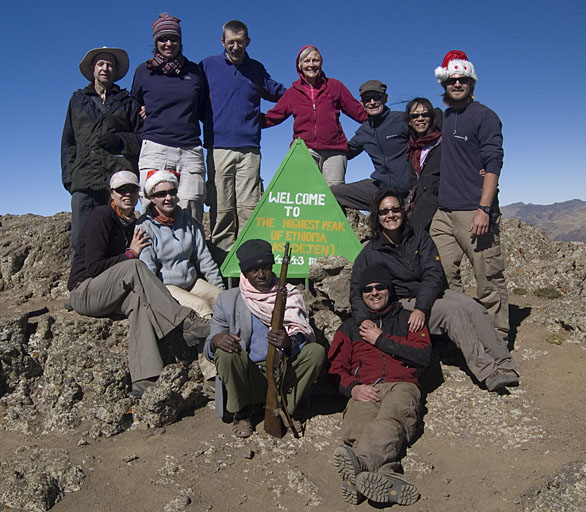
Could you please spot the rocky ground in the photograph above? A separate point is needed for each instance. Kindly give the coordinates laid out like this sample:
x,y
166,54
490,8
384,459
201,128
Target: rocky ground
x,y
73,440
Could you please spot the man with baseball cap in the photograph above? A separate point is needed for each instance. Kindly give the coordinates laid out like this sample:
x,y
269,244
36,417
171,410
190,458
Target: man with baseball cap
x,y
384,136
240,334
100,135
468,220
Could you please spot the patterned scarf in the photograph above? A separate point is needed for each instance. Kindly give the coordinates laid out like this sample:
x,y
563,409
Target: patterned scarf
x,y
123,218
161,217
164,65
261,305
417,145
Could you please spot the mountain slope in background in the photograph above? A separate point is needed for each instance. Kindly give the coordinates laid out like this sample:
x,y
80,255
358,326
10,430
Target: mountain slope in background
x,y
560,221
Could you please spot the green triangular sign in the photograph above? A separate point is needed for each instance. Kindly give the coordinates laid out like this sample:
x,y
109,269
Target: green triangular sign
x,y
297,207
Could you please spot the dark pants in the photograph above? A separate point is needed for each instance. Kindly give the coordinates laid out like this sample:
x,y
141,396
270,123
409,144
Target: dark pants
x,y
357,195
83,203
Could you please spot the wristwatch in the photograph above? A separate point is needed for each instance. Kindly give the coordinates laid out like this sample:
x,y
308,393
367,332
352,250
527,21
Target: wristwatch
x,y
485,209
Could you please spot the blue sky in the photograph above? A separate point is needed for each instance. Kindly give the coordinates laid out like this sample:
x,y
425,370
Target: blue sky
x,y
528,57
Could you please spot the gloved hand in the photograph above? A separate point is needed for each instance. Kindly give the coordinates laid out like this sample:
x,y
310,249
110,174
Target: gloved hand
x,y
111,142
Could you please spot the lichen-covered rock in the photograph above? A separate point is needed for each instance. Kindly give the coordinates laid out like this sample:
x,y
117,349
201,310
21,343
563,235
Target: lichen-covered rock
x,y
331,281
564,316
564,491
35,479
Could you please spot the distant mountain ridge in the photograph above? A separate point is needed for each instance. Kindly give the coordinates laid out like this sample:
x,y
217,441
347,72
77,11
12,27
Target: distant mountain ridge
x,y
564,221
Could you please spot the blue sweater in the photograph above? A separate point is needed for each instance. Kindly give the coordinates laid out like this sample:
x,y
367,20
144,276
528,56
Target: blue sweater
x,y
472,140
385,139
232,119
174,104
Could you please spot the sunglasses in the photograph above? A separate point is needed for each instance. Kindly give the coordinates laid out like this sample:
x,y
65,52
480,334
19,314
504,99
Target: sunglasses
x,y
165,38
425,115
367,98
464,80
126,189
378,287
385,211
161,194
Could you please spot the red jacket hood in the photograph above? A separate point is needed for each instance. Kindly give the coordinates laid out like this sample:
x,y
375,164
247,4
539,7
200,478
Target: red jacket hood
x,y
299,72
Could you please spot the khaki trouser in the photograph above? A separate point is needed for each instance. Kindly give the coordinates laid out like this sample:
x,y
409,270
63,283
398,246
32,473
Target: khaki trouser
x,y
188,162
202,299
449,231
332,165
468,325
246,384
132,289
234,190
378,431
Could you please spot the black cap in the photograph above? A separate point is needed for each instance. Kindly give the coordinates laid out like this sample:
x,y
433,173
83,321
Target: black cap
x,y
255,253
377,273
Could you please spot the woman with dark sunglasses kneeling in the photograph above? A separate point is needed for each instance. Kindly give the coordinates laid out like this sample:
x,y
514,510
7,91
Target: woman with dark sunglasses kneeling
x,y
414,265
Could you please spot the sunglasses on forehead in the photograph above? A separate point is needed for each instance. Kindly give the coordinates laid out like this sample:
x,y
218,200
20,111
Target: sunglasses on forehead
x,y
379,287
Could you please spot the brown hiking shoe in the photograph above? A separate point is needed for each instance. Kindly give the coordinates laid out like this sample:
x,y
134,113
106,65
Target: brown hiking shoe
x,y
195,329
501,378
383,488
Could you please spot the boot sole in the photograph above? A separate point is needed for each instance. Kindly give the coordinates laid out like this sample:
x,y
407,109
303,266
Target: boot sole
x,y
386,489
345,465
350,493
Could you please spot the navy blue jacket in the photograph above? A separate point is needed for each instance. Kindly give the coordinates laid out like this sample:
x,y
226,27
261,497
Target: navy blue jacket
x,y
174,104
472,140
385,139
233,114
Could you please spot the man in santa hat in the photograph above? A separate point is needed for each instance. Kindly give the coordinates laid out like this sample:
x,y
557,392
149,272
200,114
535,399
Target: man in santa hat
x,y
468,220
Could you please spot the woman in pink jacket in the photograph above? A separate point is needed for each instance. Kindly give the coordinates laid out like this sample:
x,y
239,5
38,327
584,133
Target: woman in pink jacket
x,y
315,102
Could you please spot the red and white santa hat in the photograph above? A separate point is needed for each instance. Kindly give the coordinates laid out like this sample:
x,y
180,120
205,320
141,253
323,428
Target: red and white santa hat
x,y
455,63
154,177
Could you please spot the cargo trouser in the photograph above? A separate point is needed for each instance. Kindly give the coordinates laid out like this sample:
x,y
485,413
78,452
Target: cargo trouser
x,y
468,325
131,289
450,232
378,431
234,190
245,380
332,165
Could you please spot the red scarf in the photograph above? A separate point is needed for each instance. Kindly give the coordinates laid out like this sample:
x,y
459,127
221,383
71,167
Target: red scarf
x,y
161,217
417,145
123,218
165,65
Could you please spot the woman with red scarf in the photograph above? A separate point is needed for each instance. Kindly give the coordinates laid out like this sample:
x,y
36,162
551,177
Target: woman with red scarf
x,y
172,90
315,102
424,155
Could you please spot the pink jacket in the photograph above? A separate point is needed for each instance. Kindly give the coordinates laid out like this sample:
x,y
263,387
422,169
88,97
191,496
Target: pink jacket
x,y
316,111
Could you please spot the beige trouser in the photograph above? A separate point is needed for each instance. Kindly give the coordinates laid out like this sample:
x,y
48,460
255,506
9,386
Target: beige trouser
x,y
450,232
246,384
202,299
188,162
234,190
378,431
468,325
132,289
332,165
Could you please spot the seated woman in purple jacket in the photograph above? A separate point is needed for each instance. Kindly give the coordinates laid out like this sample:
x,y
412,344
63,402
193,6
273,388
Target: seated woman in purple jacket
x,y
173,92
315,102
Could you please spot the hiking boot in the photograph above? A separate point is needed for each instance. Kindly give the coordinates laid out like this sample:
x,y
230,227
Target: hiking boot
x,y
347,464
140,386
383,488
195,328
501,378
350,493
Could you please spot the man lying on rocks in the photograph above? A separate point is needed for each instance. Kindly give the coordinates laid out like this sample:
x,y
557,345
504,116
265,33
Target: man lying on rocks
x,y
107,277
376,364
240,335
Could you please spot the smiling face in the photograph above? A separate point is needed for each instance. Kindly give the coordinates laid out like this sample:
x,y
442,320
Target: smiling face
x,y
311,66
104,69
261,277
235,44
168,45
373,103
125,198
164,197
420,119
375,300
458,88
390,215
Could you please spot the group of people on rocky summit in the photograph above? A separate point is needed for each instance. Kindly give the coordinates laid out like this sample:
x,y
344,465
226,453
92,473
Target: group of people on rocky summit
x,y
432,198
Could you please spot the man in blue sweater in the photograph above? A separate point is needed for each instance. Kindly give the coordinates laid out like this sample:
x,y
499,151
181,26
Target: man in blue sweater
x,y
468,219
232,134
384,136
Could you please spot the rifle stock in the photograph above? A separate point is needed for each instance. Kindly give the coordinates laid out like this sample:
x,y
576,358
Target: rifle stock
x,y
273,423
